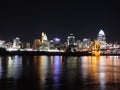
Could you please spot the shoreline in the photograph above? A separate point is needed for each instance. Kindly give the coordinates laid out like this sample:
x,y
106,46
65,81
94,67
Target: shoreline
x,y
37,53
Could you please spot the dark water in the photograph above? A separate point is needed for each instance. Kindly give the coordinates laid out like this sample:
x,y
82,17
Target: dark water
x,y
59,73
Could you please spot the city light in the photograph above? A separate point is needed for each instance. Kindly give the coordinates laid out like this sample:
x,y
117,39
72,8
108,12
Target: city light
x,y
95,47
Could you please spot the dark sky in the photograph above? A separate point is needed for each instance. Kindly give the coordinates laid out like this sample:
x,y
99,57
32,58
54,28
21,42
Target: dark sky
x,y
27,19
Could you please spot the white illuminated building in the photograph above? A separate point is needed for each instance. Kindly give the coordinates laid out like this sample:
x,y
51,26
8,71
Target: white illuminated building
x,y
102,39
16,44
71,40
2,44
45,38
45,44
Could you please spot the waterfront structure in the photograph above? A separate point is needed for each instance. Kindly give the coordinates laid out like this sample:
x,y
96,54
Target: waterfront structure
x,y
2,44
57,43
71,40
86,43
22,45
44,46
8,45
102,39
44,37
71,45
16,43
27,44
79,45
45,43
51,44
96,48
37,44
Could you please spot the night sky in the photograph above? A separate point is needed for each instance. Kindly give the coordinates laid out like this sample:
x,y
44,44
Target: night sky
x,y
27,19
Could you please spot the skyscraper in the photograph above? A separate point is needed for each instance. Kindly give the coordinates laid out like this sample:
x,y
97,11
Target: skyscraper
x,y
44,37
16,43
101,36
2,44
102,39
71,40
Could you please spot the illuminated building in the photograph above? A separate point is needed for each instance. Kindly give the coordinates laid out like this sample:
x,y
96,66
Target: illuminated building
x,y
27,45
102,39
2,44
51,44
44,37
22,45
45,44
96,48
71,43
37,43
16,43
56,40
79,44
57,43
86,43
101,36
71,40
8,45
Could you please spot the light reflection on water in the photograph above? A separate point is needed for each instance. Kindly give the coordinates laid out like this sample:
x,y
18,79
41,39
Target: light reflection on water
x,y
10,67
0,67
58,72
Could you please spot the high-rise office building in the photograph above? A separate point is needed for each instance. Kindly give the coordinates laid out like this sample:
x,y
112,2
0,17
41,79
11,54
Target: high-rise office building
x,y
2,44
102,39
71,40
37,43
44,37
16,43
101,36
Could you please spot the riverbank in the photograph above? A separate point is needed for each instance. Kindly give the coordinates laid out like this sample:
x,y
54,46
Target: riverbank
x,y
44,53
37,53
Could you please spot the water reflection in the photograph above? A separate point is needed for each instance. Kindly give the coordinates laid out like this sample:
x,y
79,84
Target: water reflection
x,y
58,72
102,71
0,67
10,66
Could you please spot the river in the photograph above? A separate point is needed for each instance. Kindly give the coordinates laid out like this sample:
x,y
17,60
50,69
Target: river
x,y
59,73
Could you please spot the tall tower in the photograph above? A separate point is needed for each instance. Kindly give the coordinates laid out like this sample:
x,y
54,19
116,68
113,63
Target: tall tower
x,y
71,40
43,37
37,43
16,43
45,43
102,39
101,36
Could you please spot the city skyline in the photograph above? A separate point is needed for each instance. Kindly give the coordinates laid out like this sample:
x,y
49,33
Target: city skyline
x,y
29,18
40,37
